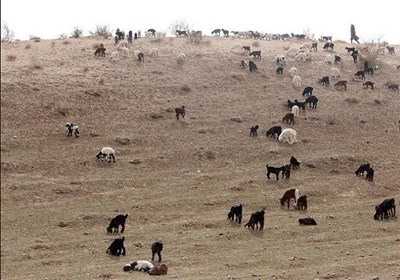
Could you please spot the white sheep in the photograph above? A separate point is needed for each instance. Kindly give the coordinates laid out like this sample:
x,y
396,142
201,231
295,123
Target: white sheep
x,y
293,71
280,59
300,56
295,110
308,55
292,52
288,135
329,59
335,72
153,52
106,153
142,265
297,81
114,56
181,58
305,47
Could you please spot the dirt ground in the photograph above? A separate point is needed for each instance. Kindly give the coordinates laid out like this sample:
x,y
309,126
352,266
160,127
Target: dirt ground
x,y
178,179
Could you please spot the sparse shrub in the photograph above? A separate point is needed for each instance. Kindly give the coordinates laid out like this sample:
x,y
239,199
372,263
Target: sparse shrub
x,y
76,33
11,57
7,35
186,88
238,76
256,44
62,36
178,25
377,101
352,100
27,47
36,66
102,31
102,81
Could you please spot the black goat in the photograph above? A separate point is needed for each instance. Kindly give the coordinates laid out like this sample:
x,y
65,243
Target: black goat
x,y
361,74
308,90
255,219
302,203
180,111
180,33
286,171
275,130
337,59
236,213
383,210
252,66
72,128
256,54
391,50
324,81
101,52
314,46
275,170
341,84
246,48
369,70
302,105
393,87
363,168
354,55
289,118
156,248
279,70
116,222
243,64
294,163
349,50
253,131
117,247
328,46
307,221
369,84
370,174
312,100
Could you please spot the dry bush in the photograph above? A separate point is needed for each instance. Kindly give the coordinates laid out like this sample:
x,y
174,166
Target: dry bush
x,y
62,36
66,42
62,110
102,31
36,66
11,57
27,47
85,70
352,100
186,88
76,33
256,44
369,53
238,76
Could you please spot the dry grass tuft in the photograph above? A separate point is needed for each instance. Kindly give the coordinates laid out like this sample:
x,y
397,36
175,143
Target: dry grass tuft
x,y
85,69
239,77
11,57
36,66
377,101
352,100
27,47
66,42
102,81
185,88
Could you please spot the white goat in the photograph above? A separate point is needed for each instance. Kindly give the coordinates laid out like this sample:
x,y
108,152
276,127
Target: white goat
x,y
292,52
280,59
153,52
142,265
288,135
297,81
106,153
181,58
335,72
295,110
305,47
329,59
300,56
114,56
293,71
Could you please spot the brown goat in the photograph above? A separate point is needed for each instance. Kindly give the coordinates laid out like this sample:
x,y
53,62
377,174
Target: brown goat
x,y
289,194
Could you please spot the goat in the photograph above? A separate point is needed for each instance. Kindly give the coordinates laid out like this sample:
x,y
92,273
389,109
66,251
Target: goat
x,y
363,168
337,59
341,84
354,55
370,174
180,111
216,32
328,46
289,118
161,270
255,219
101,52
308,91
286,171
369,70
255,54
274,130
246,48
72,128
324,81
302,203
279,70
361,74
140,57
391,50
253,131
393,87
314,46
142,265
296,81
383,210
180,33
156,248
117,221
288,135
275,170
312,100
309,221
369,84
335,72
294,163
236,213
243,64
293,71
252,66
117,247
152,32
349,50
295,110
289,194
280,60
106,153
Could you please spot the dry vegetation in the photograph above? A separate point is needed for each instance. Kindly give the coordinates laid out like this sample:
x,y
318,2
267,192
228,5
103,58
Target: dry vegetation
x,y
178,179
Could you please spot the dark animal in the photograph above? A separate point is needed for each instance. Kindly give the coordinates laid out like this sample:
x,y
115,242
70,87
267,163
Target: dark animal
x,y
369,70
308,91
307,221
253,131
274,130
252,66
363,168
328,46
116,39
383,210
156,248
326,38
349,50
324,81
275,170
130,36
135,36
394,87
370,174
120,34
286,172
117,247
279,70
302,105
243,64
365,65
216,32
294,163
180,33
314,46
290,104
180,111
152,31
101,52
391,50
354,55
225,32
256,218
116,222
298,36
337,59
72,128
236,213
289,194
256,54
312,100
302,203
341,84
246,48
361,74
368,84
141,57
289,118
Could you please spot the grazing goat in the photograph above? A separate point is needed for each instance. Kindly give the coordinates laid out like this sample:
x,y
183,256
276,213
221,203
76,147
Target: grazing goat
x,y
180,33
302,203
275,170
350,50
289,194
309,221
72,128
293,71
255,219
156,248
280,59
295,110
236,213
341,84
297,81
180,111
117,221
279,70
383,210
255,54
289,118
370,174
324,81
369,84
391,50
314,46
308,91
140,57
312,100
161,270
393,87
354,55
216,32
335,72
288,135
361,74
369,70
274,130
117,247
253,131
363,168
294,163
243,64
337,59
252,66
286,171
246,48
152,32
106,153
101,52
328,46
